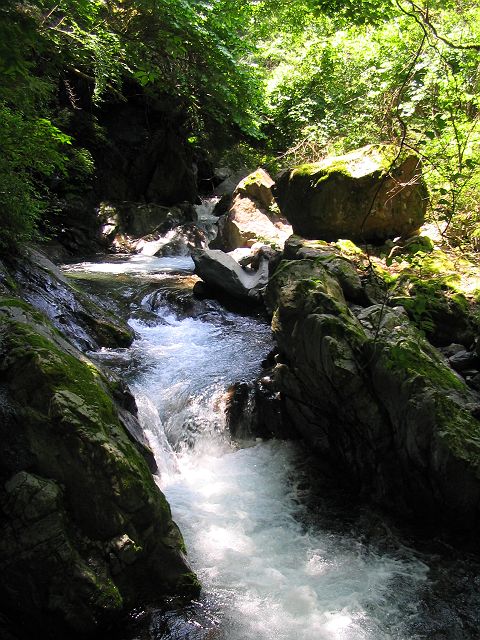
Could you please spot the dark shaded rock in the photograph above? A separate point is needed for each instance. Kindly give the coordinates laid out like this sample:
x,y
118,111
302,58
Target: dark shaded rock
x,y
376,401
464,360
186,238
271,416
144,156
256,409
451,349
85,533
474,383
139,220
446,316
239,410
223,205
228,180
355,196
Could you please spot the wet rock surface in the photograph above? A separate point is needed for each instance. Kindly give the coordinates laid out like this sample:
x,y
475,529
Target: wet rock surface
x,y
86,322
86,535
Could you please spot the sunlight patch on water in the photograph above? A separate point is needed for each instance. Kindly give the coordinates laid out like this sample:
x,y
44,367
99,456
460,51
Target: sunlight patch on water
x,y
241,518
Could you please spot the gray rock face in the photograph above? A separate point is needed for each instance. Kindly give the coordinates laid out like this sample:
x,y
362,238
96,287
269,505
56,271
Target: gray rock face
x,y
222,272
354,196
76,314
375,400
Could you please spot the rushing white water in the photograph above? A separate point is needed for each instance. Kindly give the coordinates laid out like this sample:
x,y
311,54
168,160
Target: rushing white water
x,y
266,574
137,265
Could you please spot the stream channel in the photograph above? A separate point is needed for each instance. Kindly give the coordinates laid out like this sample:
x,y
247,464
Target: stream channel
x,y
277,562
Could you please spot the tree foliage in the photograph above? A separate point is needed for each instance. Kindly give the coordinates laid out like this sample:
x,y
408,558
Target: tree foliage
x,y
192,50
305,78
400,71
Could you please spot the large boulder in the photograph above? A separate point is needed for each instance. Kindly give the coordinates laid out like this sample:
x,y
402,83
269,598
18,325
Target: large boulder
x,y
251,217
85,533
374,399
358,196
221,272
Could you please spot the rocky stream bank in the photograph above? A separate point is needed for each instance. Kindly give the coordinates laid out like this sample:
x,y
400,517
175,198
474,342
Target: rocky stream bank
x,y
376,368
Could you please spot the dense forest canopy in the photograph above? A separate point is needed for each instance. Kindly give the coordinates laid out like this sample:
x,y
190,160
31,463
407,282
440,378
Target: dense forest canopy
x,y
277,83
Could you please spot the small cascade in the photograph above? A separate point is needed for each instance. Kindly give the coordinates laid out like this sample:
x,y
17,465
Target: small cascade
x,y
205,218
155,433
269,569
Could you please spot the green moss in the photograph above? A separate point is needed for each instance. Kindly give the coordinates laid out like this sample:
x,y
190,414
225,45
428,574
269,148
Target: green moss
x,y
306,170
253,178
8,306
459,430
107,596
60,370
376,157
348,248
410,358
189,585
15,302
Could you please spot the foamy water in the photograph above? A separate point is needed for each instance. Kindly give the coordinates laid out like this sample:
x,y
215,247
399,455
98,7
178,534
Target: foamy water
x,y
266,573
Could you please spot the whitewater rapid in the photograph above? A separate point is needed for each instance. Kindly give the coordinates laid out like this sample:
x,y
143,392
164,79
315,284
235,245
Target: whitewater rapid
x,y
275,577
268,572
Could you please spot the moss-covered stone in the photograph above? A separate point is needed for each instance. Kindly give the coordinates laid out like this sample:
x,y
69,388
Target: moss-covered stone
x,y
375,399
79,487
432,290
78,315
359,196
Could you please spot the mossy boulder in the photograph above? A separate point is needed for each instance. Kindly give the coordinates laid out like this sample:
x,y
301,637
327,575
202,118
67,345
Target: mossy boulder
x,y
359,196
375,399
431,287
86,534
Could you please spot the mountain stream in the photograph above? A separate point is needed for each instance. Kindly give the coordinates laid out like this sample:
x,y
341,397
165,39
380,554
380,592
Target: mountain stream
x,y
272,566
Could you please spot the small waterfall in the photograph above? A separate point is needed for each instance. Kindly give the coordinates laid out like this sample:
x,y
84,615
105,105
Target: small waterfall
x,y
155,433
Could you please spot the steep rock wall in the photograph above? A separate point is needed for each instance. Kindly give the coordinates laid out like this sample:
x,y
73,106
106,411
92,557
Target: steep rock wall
x,y
373,398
